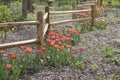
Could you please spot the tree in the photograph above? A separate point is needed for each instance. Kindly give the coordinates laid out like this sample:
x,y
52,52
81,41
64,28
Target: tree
x,y
24,8
101,2
27,5
30,6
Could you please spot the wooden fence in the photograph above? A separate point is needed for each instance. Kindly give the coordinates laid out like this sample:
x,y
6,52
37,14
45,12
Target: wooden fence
x,y
43,24
38,40
84,6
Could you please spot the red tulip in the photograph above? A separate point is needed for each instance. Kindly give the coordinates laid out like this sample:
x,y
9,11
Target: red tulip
x,y
22,55
73,48
81,48
43,50
68,46
8,66
28,50
73,56
13,55
2,51
22,48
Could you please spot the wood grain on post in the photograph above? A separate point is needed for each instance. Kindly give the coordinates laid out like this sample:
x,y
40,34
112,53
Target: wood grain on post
x,y
40,30
92,14
47,21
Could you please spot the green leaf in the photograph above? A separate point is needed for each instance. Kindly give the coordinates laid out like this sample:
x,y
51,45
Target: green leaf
x,y
3,33
118,40
13,29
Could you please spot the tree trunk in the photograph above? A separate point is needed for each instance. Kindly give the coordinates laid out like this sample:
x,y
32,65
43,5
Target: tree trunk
x,y
24,8
101,2
30,6
80,1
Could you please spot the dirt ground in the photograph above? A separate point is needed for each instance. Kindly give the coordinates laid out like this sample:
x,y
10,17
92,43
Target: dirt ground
x,y
96,65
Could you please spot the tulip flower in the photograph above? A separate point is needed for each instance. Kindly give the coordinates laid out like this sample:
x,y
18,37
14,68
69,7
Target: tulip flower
x,y
8,66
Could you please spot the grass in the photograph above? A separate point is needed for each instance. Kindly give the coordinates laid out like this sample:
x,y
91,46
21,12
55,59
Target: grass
x,y
110,54
113,2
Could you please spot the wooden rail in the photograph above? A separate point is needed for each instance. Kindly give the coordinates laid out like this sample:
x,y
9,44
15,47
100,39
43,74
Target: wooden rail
x,y
72,20
45,16
82,5
19,43
18,23
88,2
45,29
74,11
66,12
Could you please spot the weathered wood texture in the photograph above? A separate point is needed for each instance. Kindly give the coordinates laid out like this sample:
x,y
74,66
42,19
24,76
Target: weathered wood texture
x,y
45,16
45,29
72,20
18,24
40,30
48,18
66,12
19,43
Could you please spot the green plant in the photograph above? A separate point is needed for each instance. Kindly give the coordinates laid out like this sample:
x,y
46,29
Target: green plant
x,y
16,12
5,16
107,51
59,45
118,40
84,41
103,78
113,2
15,65
94,67
115,77
115,60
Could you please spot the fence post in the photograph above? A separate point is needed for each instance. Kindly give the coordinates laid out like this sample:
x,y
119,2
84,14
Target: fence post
x,y
40,30
92,14
48,18
73,8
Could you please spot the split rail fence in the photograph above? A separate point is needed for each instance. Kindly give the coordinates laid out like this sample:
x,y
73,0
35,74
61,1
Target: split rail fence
x,y
43,24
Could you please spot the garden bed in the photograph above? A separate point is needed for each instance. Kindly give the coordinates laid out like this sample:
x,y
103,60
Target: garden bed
x,y
97,64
